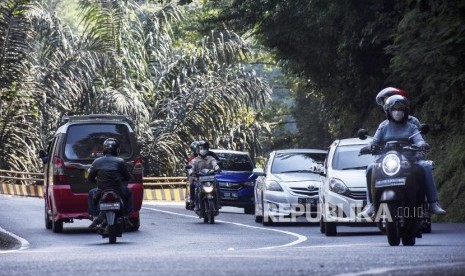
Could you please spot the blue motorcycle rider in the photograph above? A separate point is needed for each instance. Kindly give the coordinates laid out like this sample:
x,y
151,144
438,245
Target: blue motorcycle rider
x,y
400,125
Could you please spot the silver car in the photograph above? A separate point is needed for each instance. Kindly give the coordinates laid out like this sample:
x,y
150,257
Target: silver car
x,y
288,185
343,190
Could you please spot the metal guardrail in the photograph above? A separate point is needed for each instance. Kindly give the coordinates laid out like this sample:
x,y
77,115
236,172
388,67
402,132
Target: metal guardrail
x,y
37,178
31,184
23,177
165,182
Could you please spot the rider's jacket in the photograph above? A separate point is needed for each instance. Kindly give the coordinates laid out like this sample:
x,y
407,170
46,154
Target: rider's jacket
x,y
200,163
413,120
110,172
391,131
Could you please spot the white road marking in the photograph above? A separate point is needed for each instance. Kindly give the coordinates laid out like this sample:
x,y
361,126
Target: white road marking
x,y
24,243
300,238
384,270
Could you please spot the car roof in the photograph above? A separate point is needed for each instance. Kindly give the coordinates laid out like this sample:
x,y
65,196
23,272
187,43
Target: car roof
x,y
229,151
301,150
353,141
64,128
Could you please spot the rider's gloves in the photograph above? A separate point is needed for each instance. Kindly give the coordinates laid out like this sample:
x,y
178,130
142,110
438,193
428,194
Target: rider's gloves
x,y
375,149
365,150
425,147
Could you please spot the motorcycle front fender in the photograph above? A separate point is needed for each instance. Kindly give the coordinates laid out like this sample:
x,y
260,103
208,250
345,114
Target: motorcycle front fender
x,y
391,195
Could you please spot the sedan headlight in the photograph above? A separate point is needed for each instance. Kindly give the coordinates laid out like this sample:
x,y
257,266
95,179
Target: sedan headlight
x,y
249,183
337,186
391,164
274,186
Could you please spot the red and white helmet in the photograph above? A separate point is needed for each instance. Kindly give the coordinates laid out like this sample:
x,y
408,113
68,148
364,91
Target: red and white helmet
x,y
388,92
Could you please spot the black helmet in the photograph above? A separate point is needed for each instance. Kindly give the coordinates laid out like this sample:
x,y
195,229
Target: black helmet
x,y
111,146
203,145
194,146
397,103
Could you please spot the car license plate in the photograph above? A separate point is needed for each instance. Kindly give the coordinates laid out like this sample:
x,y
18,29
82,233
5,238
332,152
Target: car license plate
x,y
109,206
305,201
390,182
230,195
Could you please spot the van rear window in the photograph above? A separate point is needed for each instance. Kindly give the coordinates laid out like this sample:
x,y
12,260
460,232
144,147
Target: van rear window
x,y
85,141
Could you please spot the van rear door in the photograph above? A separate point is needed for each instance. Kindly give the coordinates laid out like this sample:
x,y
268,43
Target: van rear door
x,y
84,143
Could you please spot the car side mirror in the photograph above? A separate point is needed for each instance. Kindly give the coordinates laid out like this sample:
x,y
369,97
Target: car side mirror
x,y
362,134
258,172
43,156
424,128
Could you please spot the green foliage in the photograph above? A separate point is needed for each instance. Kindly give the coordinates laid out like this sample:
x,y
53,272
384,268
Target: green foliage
x,y
126,62
347,51
429,60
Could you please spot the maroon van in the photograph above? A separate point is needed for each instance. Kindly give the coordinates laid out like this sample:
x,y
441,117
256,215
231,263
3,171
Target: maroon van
x,y
74,147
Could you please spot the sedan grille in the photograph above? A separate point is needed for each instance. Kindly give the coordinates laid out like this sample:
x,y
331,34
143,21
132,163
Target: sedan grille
x,y
304,191
230,186
358,195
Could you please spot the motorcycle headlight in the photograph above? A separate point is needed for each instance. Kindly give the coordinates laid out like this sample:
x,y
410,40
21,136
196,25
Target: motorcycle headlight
x,y
391,164
337,186
208,187
274,186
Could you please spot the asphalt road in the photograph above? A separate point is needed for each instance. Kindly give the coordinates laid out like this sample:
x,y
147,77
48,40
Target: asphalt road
x,y
172,241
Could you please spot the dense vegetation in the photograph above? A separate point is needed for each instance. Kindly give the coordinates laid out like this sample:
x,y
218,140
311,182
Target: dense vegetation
x,y
346,51
126,59
157,64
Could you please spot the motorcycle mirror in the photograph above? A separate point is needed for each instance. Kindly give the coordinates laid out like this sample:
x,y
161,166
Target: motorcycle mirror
x,y
424,128
188,167
362,134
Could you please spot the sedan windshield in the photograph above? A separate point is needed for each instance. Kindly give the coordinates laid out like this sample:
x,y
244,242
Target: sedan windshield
x,y
235,161
347,158
297,162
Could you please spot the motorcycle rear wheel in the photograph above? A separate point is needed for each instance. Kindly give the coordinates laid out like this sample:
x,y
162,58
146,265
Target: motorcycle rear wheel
x,y
408,240
112,234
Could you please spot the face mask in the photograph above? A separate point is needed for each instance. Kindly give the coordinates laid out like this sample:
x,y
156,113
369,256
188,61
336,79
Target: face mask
x,y
397,115
203,152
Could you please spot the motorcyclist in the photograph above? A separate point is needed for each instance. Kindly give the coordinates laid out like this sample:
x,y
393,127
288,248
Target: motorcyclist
x,y
203,161
191,179
400,125
380,100
110,172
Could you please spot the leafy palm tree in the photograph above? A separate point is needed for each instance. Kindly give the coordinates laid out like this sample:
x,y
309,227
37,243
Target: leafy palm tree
x,y
127,63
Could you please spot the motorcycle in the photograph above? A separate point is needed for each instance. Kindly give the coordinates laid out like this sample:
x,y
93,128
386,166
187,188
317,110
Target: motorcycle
x,y
206,195
111,210
398,191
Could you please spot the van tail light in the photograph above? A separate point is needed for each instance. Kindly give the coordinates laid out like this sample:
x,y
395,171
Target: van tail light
x,y
138,170
59,176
